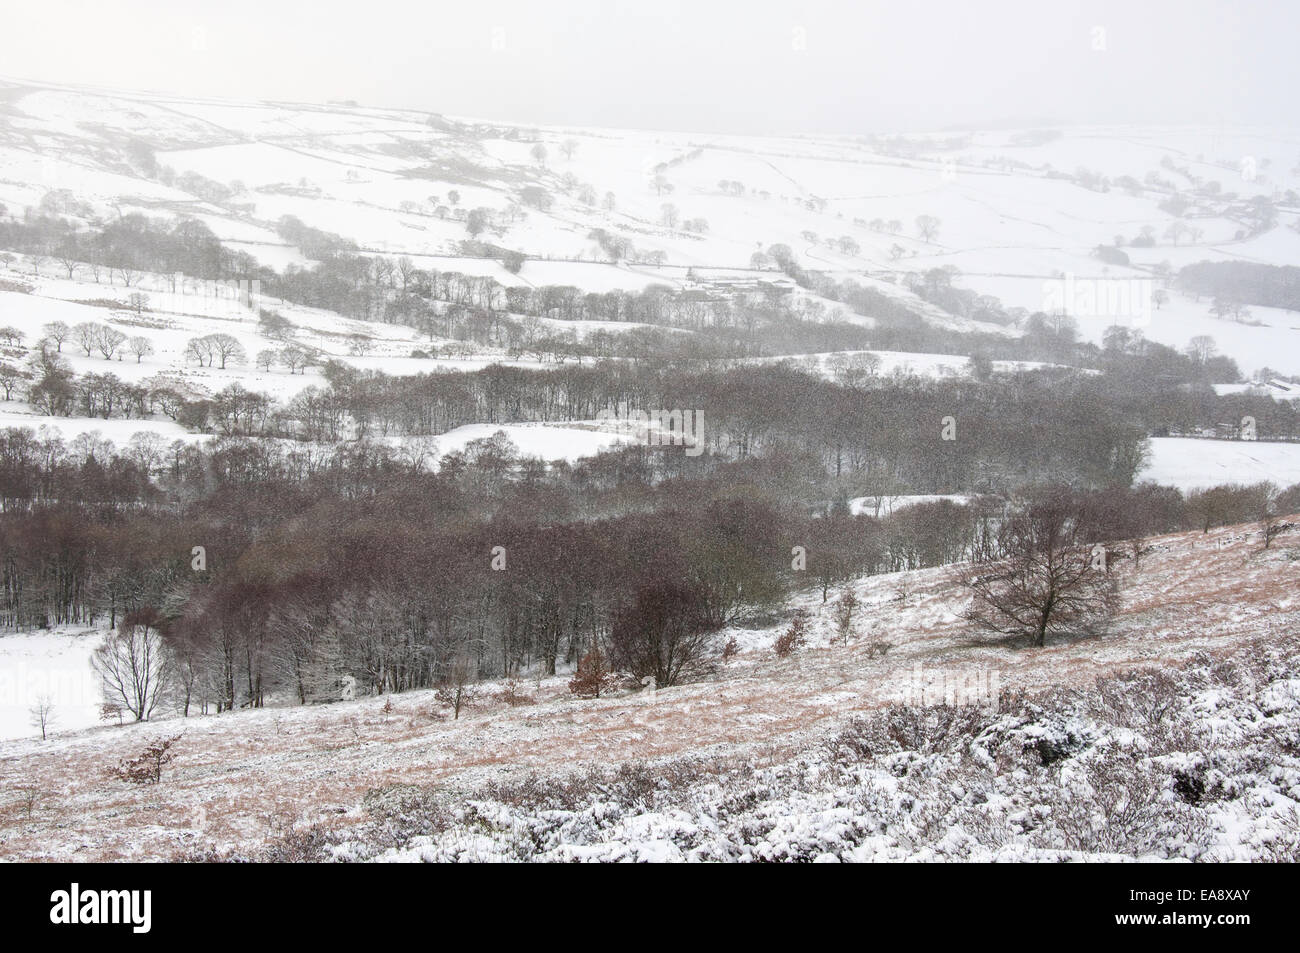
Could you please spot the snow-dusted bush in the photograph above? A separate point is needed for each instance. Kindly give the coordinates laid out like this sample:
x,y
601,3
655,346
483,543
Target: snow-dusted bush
x,y
1197,763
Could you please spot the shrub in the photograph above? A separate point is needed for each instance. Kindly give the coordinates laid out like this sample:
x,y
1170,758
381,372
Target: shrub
x,y
513,695
793,637
593,675
146,767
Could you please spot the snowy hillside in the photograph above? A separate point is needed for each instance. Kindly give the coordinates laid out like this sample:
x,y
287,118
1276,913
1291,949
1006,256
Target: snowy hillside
x,y
1192,464
1015,210
304,778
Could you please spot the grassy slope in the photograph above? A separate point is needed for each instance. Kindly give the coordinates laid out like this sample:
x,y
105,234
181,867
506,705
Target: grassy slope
x,y
239,778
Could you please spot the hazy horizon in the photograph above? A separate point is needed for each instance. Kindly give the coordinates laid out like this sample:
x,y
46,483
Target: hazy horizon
x,y
754,68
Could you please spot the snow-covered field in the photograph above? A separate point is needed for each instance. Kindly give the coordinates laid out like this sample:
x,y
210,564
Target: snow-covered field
x,y
905,363
1193,464
1011,218
52,666
547,441
885,504
738,764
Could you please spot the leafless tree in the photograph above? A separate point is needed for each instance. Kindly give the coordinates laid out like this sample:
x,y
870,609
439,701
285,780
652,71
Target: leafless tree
x,y
10,377
132,663
140,346
225,347
86,336
1271,522
846,608
1048,584
200,349
70,262
457,688
56,331
109,341
42,715
663,632
1201,348
295,358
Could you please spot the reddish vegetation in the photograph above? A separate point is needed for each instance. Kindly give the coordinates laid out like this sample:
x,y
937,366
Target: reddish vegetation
x,y
240,778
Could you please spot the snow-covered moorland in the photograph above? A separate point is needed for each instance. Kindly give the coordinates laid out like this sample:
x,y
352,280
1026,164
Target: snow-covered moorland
x,y
1199,763
453,309
1017,210
1172,736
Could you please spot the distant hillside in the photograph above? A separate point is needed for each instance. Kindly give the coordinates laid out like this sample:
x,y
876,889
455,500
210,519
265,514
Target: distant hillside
x,y
1011,210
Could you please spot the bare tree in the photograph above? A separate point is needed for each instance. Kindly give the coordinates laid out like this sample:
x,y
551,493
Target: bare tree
x,y
42,715
1049,583
109,341
147,449
662,633
68,258
846,608
457,688
140,346
406,271
86,336
56,331
1201,348
200,349
1271,523
10,377
1176,231
295,358
132,663
225,347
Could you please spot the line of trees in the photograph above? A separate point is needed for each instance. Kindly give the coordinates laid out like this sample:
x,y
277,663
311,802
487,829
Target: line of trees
x,y
358,563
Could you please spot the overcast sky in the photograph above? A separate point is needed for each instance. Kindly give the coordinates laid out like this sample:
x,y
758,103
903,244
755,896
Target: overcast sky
x,y
753,66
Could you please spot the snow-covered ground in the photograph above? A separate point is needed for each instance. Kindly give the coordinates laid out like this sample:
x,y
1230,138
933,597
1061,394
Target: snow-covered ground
x,y
242,780
547,441
1011,219
52,666
906,363
885,504
1192,464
